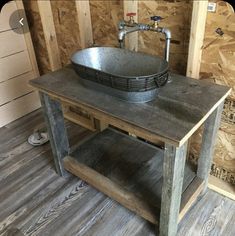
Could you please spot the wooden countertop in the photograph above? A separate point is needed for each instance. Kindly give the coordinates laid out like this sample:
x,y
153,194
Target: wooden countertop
x,y
180,109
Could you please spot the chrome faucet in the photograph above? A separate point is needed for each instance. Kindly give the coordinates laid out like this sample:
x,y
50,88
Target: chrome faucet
x,y
126,27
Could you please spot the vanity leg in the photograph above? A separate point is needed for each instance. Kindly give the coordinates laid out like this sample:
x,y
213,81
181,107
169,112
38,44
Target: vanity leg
x,y
208,142
56,129
173,176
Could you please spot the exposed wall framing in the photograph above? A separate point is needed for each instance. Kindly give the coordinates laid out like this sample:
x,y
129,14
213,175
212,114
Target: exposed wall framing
x,y
36,30
217,65
48,26
197,34
84,22
131,39
67,28
80,24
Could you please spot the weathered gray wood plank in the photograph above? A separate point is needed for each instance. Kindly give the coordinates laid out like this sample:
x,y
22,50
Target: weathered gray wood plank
x,y
36,182
212,215
23,173
26,210
180,106
208,142
133,169
65,219
56,129
173,176
55,206
13,232
18,132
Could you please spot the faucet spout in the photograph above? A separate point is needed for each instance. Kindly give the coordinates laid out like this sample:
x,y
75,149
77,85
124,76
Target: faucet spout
x,y
123,32
167,33
126,27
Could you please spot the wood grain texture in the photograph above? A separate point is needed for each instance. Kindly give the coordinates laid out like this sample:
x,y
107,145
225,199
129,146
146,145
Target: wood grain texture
x,y
36,31
197,33
14,65
221,187
6,12
27,37
57,208
177,17
56,129
105,16
79,116
208,142
173,177
84,22
48,26
173,116
131,39
211,216
125,169
11,43
16,87
190,196
67,29
19,107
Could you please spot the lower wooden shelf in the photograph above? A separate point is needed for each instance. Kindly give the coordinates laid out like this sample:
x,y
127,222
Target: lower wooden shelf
x,y
129,171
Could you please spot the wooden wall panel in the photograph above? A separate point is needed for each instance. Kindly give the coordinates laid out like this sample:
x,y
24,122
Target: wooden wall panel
x,y
177,17
19,107
36,31
105,16
12,42
5,16
14,65
67,29
15,87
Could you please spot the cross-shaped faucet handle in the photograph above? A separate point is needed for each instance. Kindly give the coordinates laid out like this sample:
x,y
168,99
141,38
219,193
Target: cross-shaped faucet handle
x,y
156,18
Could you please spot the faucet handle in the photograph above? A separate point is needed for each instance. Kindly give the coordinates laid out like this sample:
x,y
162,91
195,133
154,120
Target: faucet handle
x,y
131,19
131,14
156,18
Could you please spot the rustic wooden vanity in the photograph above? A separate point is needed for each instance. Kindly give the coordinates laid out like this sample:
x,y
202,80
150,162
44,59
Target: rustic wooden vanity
x,y
155,183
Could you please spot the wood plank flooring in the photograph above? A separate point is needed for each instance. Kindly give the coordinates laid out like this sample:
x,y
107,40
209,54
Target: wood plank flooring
x,y
34,200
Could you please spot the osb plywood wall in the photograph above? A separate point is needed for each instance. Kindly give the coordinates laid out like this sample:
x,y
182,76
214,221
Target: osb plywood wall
x,y
35,25
177,17
218,65
67,29
105,16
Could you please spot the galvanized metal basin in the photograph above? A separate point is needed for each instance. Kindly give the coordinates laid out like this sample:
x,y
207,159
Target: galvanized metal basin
x,y
128,75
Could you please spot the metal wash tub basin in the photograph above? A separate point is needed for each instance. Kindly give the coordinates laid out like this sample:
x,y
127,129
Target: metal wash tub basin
x,y
128,75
